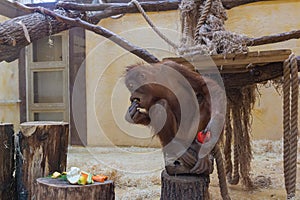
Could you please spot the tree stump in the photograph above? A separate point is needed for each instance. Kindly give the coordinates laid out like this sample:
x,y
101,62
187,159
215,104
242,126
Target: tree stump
x,y
44,146
182,187
51,189
7,166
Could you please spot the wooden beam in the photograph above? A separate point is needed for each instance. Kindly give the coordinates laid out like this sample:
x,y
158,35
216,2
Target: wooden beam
x,y
22,86
77,79
238,75
235,61
258,74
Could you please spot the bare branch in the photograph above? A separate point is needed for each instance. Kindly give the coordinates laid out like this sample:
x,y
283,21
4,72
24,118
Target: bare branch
x,y
148,5
228,4
280,37
88,7
72,22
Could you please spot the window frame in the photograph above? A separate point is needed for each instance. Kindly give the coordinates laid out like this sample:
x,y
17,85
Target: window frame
x,y
48,66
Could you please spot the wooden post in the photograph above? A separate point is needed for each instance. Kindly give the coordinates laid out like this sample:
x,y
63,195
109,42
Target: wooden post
x,y
7,165
183,187
50,189
44,146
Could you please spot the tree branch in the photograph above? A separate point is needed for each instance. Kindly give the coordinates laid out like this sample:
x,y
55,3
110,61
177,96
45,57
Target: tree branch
x,y
280,37
38,25
12,34
147,5
108,10
228,4
72,22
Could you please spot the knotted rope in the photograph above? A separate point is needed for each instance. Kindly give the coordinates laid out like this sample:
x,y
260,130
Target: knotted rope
x,y
202,20
290,123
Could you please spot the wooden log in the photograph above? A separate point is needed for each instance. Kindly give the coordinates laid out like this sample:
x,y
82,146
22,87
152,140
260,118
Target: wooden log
x,y
44,146
7,166
51,189
182,187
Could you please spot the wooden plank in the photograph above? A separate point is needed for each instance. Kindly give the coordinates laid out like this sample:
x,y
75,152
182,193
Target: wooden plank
x,y
234,61
22,86
252,57
78,123
257,73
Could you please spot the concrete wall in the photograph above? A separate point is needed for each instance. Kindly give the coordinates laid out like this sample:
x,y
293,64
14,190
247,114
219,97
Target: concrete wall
x,y
9,91
107,98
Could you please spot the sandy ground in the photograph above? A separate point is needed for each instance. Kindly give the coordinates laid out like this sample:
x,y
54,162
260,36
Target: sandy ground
x,y
136,171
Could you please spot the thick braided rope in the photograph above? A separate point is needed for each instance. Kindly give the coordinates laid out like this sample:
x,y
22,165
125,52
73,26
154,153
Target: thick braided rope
x,y
227,145
234,179
294,123
286,122
148,20
290,123
202,20
186,31
221,172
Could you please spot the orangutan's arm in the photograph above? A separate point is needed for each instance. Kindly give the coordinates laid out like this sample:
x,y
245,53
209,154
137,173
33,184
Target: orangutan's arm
x,y
133,115
217,97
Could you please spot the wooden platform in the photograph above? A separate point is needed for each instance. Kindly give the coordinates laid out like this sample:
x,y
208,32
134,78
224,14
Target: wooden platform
x,y
239,70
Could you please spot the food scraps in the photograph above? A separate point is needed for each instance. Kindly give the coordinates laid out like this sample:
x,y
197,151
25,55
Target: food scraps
x,y
77,176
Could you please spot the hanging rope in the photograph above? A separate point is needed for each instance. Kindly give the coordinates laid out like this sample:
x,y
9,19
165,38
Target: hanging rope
x,y
221,172
148,20
290,124
232,179
227,144
202,20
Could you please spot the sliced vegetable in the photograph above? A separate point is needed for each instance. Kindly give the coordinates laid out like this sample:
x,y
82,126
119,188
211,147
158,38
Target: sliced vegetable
x,y
56,175
89,179
73,175
100,178
83,178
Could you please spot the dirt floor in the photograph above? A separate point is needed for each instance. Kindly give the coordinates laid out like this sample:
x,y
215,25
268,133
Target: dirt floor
x,y
136,171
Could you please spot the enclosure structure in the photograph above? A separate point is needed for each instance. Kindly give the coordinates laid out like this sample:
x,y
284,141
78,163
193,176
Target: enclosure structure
x,y
99,102
102,75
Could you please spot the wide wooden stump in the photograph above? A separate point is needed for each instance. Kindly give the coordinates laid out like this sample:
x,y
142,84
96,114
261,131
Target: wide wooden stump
x,y
52,189
183,187
7,166
44,146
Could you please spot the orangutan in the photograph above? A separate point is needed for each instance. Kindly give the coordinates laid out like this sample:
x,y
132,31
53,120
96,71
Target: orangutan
x,y
176,103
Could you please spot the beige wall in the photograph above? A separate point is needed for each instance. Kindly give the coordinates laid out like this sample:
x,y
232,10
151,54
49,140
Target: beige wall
x,y
9,92
107,99
261,19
